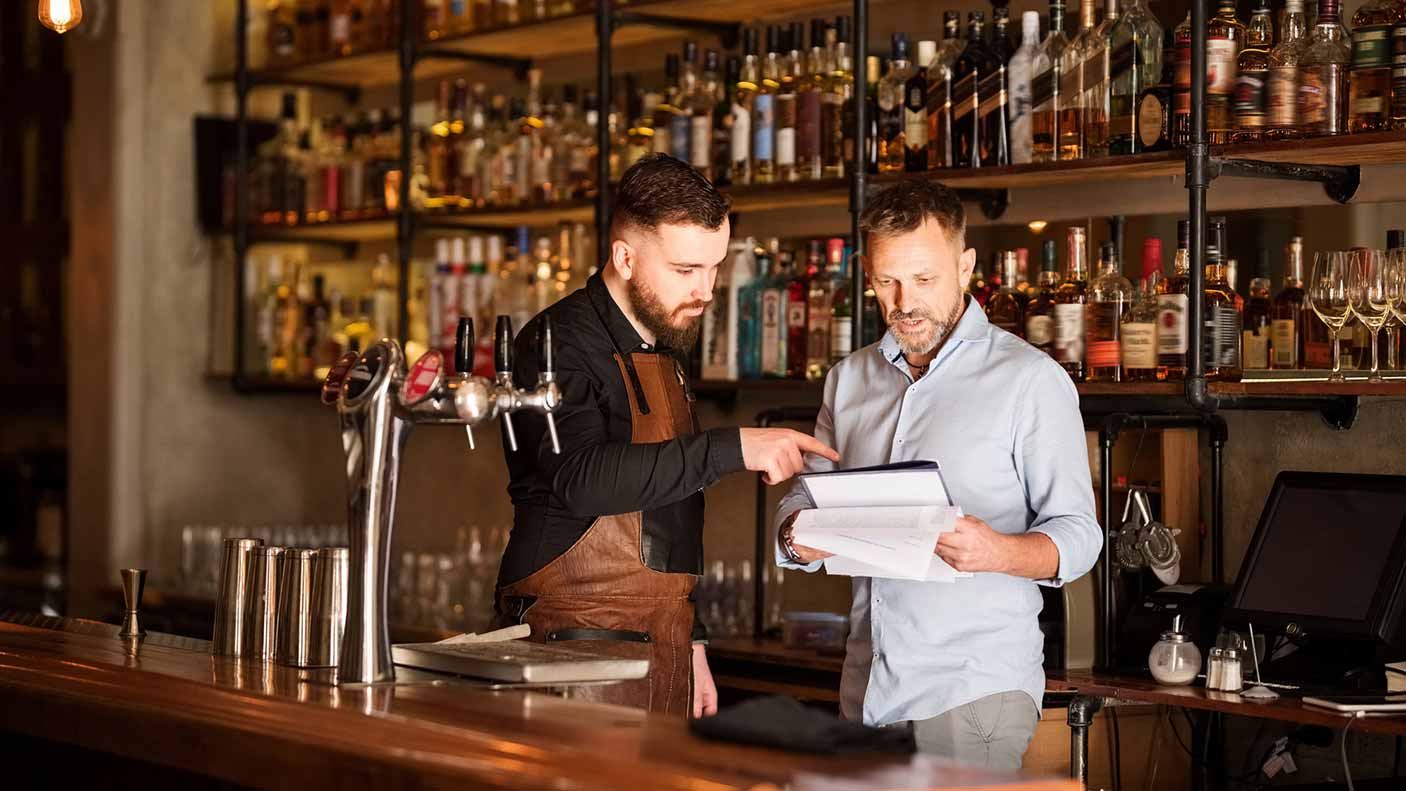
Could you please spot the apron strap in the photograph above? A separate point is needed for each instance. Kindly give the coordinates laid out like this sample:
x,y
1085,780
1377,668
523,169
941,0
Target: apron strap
x,y
601,314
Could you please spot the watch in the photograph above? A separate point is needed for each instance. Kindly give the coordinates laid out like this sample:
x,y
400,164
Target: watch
x,y
787,546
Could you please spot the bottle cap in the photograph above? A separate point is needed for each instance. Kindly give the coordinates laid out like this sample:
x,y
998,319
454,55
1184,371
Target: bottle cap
x,y
690,51
456,252
441,251
1262,265
835,249
817,32
475,249
710,60
1151,256
1030,26
1049,261
927,51
1183,234
773,38
798,36
749,41
1395,239
899,44
842,29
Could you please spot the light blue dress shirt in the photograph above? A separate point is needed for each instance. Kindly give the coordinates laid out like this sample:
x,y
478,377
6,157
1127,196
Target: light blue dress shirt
x,y
1002,419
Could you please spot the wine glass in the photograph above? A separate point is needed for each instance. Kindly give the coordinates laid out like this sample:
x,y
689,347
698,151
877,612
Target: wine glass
x,y
1368,286
1396,285
1327,295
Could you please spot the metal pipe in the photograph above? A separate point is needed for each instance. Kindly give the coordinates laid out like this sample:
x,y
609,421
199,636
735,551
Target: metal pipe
x,y
860,167
1080,716
241,165
1217,510
1197,181
1107,436
605,26
404,225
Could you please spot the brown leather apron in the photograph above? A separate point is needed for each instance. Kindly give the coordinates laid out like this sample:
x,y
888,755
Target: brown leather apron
x,y
599,595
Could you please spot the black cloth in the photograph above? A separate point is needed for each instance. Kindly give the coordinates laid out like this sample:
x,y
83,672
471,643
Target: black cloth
x,y
783,722
599,472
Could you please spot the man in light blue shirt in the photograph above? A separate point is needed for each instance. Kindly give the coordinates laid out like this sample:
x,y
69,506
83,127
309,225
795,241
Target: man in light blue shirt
x,y
962,660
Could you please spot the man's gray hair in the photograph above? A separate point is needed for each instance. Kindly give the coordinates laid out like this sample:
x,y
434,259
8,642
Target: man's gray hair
x,y
903,208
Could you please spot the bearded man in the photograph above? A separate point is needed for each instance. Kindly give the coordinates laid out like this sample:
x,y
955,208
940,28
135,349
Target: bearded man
x,y
958,662
607,538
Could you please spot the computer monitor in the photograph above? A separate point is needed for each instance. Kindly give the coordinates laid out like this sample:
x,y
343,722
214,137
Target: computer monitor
x,y
1328,557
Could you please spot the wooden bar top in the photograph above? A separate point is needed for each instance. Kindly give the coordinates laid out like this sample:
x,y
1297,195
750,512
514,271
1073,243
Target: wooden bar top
x,y
264,725
1288,707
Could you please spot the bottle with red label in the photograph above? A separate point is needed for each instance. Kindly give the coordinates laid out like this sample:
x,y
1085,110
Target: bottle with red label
x,y
1110,295
1323,71
1225,35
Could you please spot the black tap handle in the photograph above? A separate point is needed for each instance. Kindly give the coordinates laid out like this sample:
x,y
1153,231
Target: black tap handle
x,y
545,356
464,347
503,345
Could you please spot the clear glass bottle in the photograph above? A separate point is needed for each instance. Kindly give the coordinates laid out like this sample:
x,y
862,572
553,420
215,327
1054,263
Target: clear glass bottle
x,y
1070,302
744,95
1252,76
681,122
1286,318
1097,85
1136,64
764,111
1174,660
1369,92
1039,311
1139,331
1019,73
1281,95
939,99
701,103
915,110
1077,73
809,87
788,105
1323,75
1110,296
1004,308
892,142
1045,88
1225,35
836,100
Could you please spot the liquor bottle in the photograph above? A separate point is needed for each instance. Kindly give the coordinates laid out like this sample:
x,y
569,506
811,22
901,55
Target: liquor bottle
x,y
872,82
892,143
664,109
1225,35
1286,329
1045,88
1323,70
1075,73
720,160
1070,302
797,287
787,106
764,112
1220,327
1173,304
282,22
973,65
979,287
1369,92
774,308
744,96
1156,104
1135,65
1247,104
1139,330
994,90
915,110
1390,337
1018,74
681,122
1039,313
1110,295
721,335
820,294
749,316
1181,85
438,155
841,304
940,81
809,87
1257,328
1004,308
1097,88
837,103
1282,95
702,101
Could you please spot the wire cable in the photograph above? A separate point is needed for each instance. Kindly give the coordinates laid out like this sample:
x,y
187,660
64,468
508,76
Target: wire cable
x,y
1347,771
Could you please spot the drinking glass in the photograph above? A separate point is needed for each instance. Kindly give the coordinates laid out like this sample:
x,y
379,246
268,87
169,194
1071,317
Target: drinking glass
x,y
1368,287
1327,295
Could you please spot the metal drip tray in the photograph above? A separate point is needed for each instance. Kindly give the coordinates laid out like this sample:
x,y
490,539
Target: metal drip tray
x,y
519,661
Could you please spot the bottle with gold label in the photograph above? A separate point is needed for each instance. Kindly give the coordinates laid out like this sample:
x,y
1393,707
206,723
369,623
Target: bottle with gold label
x,y
1323,75
1139,331
1135,64
1282,88
1004,308
1248,102
1369,91
1039,312
1286,329
1070,302
1225,35
1257,330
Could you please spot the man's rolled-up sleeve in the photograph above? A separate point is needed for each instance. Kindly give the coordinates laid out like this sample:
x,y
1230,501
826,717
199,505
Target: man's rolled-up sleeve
x,y
1052,459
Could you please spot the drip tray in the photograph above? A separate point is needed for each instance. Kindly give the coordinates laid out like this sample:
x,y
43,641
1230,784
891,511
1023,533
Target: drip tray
x,y
519,662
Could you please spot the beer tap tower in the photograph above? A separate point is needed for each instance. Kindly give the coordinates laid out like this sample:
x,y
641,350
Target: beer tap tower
x,y
378,402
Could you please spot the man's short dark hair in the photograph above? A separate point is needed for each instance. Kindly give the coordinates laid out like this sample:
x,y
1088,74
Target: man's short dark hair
x,y
661,190
903,208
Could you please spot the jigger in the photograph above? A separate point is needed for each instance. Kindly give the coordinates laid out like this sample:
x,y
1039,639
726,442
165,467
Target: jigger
x,y
133,581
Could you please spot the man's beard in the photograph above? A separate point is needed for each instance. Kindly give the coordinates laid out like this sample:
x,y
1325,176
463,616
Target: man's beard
x,y
937,329
664,323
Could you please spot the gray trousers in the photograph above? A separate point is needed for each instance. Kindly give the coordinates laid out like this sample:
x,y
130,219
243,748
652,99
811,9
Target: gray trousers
x,y
993,731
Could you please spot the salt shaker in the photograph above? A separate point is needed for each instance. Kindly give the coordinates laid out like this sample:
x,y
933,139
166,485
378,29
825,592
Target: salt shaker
x,y
1215,668
1232,677
1174,660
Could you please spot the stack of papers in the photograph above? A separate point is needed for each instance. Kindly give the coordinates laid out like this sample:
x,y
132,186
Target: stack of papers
x,y
880,521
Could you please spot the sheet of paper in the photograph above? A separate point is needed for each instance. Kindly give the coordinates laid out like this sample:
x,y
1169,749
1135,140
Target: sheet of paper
x,y
906,484
890,541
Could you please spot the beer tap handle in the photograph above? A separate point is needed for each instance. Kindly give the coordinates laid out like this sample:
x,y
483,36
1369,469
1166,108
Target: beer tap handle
x,y
503,364
464,347
547,373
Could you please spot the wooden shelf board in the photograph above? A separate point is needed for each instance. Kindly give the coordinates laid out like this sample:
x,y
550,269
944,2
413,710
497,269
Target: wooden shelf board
x,y
507,217
380,229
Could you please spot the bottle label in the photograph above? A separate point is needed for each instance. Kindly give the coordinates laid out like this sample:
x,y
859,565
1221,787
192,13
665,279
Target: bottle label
x,y
1248,102
1221,331
796,315
1139,345
1181,95
1069,333
1020,109
1398,71
992,90
1371,47
1151,120
1283,96
340,28
701,146
679,140
1171,323
1220,66
1039,331
1322,98
915,120
1256,348
1101,326
808,125
786,130
841,342
773,359
762,132
964,97
1284,344
741,133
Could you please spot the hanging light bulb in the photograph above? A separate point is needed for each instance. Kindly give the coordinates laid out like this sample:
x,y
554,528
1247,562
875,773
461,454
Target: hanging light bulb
x,y
60,16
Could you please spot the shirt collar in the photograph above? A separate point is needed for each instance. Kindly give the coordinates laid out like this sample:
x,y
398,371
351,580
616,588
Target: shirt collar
x,y
973,326
627,339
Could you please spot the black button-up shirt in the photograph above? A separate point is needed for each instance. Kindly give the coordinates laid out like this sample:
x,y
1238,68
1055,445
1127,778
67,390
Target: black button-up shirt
x,y
599,472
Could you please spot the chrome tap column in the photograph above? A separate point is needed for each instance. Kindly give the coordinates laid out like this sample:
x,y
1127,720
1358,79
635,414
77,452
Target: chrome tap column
x,y
379,402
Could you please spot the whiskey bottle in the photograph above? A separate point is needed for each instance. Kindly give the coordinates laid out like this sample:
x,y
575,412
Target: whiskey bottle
x,y
1252,78
1220,328
1018,74
892,142
744,95
1286,336
787,106
1077,74
1257,330
1369,92
664,109
1181,85
774,307
764,112
1323,71
808,91
1173,302
797,309
1135,65
820,296
1225,35
972,66
915,110
1039,312
1045,87
723,122
836,103
681,122
1155,105
1004,308
1282,92
1139,330
872,83
1097,88
939,100
995,92
1110,295
1070,301
701,103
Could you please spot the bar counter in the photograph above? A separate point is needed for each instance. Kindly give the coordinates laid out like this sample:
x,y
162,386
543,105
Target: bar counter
x,y
169,703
